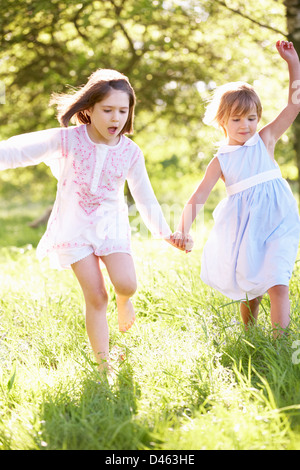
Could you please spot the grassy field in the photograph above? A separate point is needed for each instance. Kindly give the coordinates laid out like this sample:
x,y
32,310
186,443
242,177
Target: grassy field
x,y
192,377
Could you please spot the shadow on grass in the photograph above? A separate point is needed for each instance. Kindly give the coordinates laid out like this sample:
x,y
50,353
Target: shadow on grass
x,y
101,417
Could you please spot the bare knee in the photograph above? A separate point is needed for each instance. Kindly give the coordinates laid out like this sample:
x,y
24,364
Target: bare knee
x,y
126,287
254,303
249,310
278,291
97,299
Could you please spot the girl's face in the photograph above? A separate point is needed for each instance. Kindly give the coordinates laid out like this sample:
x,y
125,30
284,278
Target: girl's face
x,y
108,117
240,128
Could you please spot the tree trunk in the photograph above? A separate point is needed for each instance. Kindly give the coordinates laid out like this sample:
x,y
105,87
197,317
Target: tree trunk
x,y
293,26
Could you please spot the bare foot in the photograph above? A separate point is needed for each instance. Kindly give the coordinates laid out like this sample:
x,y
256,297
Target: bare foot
x,y
117,354
126,314
104,365
107,374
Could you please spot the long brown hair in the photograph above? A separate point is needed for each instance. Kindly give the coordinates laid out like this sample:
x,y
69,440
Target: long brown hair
x,y
72,107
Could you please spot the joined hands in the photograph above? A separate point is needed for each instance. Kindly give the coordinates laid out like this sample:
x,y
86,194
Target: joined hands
x,y
183,242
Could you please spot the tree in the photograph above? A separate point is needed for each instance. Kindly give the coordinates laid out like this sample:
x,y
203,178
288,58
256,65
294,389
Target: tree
x,y
293,26
174,52
291,31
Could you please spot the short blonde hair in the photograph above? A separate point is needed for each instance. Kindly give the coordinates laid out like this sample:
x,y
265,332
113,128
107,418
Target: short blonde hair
x,y
237,97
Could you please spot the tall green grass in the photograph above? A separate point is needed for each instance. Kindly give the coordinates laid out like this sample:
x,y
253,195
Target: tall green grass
x,y
192,377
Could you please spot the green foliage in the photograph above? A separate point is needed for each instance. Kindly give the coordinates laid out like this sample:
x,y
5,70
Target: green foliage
x,y
192,377
173,52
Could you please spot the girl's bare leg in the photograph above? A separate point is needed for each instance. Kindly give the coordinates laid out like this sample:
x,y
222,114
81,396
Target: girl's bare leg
x,y
121,270
249,310
280,307
91,280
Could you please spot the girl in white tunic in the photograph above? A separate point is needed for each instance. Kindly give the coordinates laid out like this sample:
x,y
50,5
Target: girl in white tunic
x,y
253,245
89,220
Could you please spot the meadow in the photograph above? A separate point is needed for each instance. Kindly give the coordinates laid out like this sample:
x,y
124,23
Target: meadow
x,y
191,377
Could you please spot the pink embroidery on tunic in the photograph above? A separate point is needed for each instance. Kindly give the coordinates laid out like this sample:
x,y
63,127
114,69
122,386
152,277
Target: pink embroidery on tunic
x,y
91,177
64,143
113,170
112,175
83,166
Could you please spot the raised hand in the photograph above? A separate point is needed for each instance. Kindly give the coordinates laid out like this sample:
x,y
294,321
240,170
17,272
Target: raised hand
x,y
287,51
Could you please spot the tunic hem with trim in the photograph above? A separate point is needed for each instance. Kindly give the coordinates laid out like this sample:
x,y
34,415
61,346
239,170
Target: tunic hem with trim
x,y
90,208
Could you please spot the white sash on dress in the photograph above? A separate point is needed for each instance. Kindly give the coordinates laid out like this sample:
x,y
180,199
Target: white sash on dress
x,y
253,181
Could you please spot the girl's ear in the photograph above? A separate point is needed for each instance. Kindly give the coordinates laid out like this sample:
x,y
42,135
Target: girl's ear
x,y
223,127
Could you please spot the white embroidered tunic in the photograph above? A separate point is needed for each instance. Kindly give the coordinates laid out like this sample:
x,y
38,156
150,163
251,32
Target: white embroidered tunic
x,y
90,214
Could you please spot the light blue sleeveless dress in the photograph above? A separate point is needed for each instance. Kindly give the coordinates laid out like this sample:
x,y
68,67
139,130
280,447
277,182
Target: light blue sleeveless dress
x,y
254,242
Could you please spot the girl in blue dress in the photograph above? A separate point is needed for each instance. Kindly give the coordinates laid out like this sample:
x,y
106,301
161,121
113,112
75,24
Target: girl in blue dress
x,y
253,245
